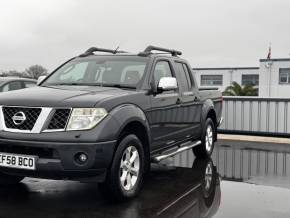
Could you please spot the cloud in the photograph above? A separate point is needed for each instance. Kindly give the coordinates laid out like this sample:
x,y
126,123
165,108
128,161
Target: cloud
x,y
210,33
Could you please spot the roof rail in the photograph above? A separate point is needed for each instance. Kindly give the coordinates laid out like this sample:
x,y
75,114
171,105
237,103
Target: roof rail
x,y
150,48
91,51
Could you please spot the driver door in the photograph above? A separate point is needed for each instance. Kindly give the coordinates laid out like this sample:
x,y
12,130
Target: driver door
x,y
165,109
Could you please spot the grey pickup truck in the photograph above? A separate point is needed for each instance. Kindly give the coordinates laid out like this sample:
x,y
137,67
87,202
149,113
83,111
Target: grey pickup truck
x,y
104,116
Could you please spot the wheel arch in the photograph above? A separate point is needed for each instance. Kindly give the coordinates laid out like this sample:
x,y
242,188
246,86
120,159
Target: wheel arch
x,y
208,111
132,120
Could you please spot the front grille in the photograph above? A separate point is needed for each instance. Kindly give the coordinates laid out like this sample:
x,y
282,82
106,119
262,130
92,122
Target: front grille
x,y
59,119
31,115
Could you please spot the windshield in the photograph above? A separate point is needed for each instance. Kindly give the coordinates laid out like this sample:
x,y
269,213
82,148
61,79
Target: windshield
x,y
100,71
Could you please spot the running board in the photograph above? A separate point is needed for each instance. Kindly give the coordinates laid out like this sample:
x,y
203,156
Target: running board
x,y
161,157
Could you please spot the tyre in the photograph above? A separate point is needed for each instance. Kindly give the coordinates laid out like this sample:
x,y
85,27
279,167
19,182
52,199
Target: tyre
x,y
6,179
124,179
208,177
205,149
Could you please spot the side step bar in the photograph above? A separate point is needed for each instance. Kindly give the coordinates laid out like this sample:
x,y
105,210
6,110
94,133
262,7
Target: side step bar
x,y
161,157
220,122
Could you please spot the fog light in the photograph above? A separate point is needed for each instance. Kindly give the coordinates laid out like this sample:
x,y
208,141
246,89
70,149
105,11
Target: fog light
x,y
81,158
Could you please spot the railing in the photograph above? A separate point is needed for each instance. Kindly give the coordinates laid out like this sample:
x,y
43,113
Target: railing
x,y
255,115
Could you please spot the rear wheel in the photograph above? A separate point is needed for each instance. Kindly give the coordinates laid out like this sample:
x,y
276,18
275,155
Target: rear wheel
x,y
205,149
124,179
6,179
208,178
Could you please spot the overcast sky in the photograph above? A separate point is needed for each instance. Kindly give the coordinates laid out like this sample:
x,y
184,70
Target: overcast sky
x,y
211,33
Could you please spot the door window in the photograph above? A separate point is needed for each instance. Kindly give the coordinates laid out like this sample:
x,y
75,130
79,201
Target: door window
x,y
183,77
162,69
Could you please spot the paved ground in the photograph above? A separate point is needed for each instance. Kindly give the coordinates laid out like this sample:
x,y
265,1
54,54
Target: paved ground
x,y
256,179
255,183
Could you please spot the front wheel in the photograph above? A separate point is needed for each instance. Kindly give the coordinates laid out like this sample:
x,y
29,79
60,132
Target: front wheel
x,y
205,149
124,179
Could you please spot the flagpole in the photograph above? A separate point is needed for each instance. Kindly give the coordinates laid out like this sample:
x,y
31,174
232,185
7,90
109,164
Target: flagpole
x,y
270,77
270,68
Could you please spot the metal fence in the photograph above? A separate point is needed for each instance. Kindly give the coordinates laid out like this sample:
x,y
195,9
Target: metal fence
x,y
256,115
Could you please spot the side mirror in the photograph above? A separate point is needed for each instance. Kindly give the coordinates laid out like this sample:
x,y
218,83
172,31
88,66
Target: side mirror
x,y
167,84
40,79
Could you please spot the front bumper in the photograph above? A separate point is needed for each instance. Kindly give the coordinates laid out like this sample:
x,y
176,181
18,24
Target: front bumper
x,y
56,160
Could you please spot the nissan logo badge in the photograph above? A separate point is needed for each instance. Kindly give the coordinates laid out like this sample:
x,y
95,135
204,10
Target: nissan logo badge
x,y
19,118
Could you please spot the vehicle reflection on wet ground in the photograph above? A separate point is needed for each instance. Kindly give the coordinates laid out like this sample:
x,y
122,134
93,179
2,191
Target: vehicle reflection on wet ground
x,y
255,178
255,182
168,192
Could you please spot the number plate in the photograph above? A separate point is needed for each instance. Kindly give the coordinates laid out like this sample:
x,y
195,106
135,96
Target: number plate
x,y
17,161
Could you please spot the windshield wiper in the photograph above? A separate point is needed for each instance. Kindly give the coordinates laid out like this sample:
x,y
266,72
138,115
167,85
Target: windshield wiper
x,y
74,84
118,86
93,84
63,84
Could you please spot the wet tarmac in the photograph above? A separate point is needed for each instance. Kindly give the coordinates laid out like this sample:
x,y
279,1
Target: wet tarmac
x,y
242,180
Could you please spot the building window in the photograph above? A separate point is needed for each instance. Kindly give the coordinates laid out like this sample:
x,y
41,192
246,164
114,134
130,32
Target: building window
x,y
284,75
250,79
211,80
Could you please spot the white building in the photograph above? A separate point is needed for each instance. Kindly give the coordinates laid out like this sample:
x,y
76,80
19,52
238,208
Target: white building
x,y
272,77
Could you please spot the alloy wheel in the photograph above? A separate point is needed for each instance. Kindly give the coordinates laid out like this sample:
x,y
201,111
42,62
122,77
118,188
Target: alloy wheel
x,y
209,138
129,168
208,176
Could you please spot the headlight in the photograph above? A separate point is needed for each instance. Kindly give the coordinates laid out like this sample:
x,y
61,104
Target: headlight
x,y
85,118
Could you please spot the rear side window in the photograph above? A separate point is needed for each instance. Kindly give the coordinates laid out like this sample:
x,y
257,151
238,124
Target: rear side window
x,y
183,77
162,69
189,79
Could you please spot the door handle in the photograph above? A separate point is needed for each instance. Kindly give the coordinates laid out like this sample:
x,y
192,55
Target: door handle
x,y
178,101
196,98
188,93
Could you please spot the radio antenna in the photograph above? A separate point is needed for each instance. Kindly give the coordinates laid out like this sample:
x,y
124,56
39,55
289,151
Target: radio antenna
x,y
116,50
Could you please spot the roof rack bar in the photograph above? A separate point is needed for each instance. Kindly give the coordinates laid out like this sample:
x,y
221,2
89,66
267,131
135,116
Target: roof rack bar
x,y
155,48
91,51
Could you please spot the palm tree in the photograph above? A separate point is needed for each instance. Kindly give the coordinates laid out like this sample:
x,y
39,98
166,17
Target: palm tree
x,y
237,90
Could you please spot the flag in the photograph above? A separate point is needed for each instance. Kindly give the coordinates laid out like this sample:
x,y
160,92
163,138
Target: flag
x,y
269,53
